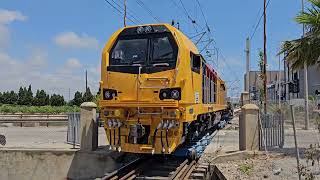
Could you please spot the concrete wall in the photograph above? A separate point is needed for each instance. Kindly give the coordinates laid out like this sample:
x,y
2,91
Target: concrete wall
x,y
56,165
313,81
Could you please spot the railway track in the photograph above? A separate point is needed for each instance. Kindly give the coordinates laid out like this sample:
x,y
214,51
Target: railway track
x,y
165,167
156,167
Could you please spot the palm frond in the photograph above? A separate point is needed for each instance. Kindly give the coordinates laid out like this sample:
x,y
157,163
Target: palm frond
x,y
315,3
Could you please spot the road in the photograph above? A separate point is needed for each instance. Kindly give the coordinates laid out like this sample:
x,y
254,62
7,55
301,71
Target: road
x,y
40,137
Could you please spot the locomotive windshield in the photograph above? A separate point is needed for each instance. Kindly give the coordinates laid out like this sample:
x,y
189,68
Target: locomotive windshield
x,y
129,51
162,50
153,52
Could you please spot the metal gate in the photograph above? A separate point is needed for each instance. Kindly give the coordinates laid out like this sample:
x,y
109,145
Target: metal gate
x,y
73,129
271,131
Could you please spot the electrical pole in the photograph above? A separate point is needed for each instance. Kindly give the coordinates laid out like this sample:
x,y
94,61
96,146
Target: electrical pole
x,y
279,83
265,54
247,88
86,80
306,87
125,13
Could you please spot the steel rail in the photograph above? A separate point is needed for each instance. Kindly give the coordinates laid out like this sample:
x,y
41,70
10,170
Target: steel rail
x,y
176,173
124,172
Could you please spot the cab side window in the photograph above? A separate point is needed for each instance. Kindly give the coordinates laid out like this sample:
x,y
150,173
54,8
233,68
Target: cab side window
x,y
195,62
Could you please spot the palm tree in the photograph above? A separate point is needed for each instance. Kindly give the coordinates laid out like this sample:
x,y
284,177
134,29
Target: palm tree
x,y
305,49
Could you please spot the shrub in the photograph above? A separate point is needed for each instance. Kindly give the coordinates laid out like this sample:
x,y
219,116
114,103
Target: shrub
x,y
5,108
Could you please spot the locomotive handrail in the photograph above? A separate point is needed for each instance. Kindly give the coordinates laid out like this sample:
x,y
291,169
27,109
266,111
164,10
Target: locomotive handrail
x,y
160,64
150,79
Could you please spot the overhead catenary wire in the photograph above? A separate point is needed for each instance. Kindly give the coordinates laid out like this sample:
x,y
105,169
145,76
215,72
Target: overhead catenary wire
x,y
258,22
143,6
209,42
128,11
204,17
120,10
186,13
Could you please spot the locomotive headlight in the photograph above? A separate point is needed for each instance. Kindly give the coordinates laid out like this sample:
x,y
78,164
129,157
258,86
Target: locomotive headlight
x,y
147,29
170,93
109,94
164,94
140,30
175,94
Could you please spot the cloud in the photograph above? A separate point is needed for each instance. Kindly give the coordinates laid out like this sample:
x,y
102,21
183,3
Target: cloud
x,y
4,36
37,71
7,17
73,63
73,40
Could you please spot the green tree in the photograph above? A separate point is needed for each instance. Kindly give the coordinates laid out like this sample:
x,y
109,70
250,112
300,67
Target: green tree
x,y
57,100
87,96
47,100
40,98
307,48
13,98
9,97
1,98
29,96
77,100
21,96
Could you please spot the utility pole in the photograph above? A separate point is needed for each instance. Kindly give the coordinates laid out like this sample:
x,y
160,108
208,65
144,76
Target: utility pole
x,y
69,95
125,13
247,88
306,87
265,54
86,80
279,83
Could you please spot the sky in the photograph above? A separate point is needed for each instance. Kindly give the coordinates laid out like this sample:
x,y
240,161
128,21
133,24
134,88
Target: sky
x,y
50,44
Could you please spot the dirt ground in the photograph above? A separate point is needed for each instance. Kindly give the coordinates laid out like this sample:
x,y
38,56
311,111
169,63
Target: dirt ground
x,y
275,164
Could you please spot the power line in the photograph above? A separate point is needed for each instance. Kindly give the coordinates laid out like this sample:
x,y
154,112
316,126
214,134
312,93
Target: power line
x,y
185,12
258,23
121,13
196,35
142,5
204,17
131,14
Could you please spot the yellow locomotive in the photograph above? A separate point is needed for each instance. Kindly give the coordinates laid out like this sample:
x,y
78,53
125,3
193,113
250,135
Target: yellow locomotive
x,y
157,91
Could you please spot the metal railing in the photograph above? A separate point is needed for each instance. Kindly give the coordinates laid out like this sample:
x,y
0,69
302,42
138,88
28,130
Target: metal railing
x,y
271,131
73,134
22,118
